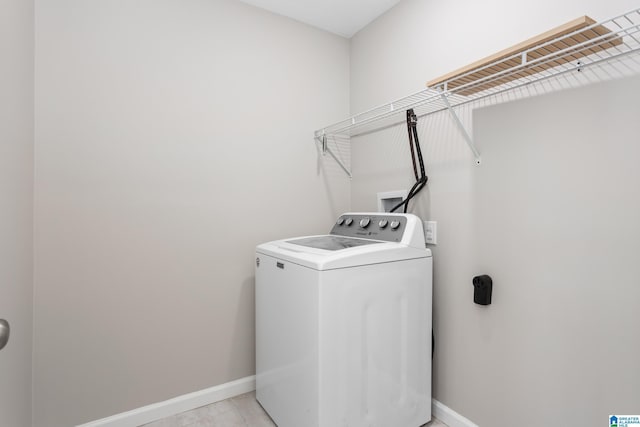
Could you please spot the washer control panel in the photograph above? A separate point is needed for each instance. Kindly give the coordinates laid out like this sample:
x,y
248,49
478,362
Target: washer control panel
x,y
389,228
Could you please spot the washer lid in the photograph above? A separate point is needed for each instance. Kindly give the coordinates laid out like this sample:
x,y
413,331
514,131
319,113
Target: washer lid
x,y
331,242
317,258
356,239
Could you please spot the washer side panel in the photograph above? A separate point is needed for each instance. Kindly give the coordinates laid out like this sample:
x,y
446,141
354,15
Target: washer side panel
x,y
287,341
375,345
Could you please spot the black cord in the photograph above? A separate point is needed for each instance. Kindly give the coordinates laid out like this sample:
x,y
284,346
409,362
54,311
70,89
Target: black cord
x,y
415,133
421,184
412,121
414,190
411,143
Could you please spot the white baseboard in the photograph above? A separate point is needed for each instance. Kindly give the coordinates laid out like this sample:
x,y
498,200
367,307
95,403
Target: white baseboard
x,y
449,416
179,404
187,402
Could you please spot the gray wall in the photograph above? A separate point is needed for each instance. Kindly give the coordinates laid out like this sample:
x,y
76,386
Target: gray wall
x,y
171,138
16,207
549,215
555,208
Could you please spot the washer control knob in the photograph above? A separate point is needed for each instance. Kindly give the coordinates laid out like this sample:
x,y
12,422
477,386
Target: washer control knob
x,y
383,223
348,222
364,222
340,221
395,224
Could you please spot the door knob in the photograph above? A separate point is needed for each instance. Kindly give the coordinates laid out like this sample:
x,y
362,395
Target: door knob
x,y
4,333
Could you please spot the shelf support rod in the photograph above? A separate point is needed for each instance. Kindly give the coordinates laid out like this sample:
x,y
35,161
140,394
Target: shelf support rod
x,y
326,149
461,127
344,168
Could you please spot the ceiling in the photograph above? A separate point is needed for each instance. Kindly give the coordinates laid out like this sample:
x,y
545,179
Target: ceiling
x,y
342,17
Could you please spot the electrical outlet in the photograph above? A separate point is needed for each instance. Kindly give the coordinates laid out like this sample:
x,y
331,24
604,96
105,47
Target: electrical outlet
x,y
431,232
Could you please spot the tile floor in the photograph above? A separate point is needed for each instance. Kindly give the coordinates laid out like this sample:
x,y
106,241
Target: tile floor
x,y
239,411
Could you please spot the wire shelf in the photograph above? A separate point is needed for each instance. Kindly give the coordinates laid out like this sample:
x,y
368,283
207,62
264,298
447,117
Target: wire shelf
x,y
608,50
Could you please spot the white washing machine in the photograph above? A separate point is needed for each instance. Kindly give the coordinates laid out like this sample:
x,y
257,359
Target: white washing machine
x,y
343,325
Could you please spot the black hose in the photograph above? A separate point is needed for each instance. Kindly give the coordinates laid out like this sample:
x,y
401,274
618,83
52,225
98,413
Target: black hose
x,y
421,180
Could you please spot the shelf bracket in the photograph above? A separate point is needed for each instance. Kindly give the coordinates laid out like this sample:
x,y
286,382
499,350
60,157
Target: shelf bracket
x,y
326,149
461,127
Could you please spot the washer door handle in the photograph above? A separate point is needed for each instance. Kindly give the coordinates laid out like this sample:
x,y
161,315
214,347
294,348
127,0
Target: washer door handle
x,y
5,330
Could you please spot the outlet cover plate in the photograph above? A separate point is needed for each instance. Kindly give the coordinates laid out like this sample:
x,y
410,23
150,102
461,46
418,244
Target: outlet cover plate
x,y
431,232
